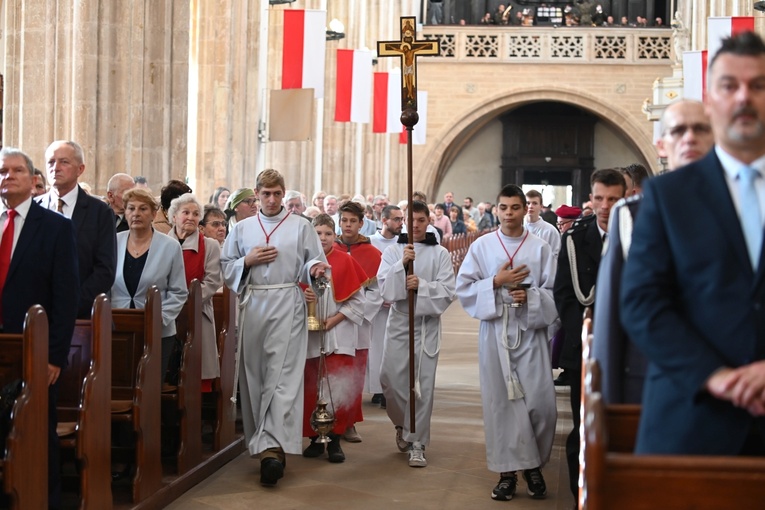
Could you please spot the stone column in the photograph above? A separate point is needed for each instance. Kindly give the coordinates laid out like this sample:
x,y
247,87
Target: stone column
x,y
112,76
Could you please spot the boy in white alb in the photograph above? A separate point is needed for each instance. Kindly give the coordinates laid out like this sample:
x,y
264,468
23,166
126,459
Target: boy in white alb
x,y
433,283
540,227
506,281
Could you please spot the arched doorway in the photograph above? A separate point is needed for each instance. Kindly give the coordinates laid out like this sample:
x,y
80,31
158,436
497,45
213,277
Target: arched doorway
x,y
616,125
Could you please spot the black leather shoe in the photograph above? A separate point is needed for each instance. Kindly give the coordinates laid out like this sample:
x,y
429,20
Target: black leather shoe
x,y
563,379
314,449
122,474
376,398
271,470
334,450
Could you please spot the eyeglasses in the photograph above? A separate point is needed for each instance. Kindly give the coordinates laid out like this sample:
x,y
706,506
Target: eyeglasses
x,y
215,224
564,223
250,201
697,129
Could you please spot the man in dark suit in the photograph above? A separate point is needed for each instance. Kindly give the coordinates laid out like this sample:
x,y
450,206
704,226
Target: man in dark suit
x,y
42,270
693,289
93,221
686,137
574,290
115,188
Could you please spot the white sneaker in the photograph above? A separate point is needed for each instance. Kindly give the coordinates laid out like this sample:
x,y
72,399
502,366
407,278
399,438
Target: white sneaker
x,y
403,446
417,455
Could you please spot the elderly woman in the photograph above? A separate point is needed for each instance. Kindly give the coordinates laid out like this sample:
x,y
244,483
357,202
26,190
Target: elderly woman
x,y
213,224
241,205
173,189
146,257
201,259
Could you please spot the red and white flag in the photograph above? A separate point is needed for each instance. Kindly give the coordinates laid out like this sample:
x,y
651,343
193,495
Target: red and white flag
x,y
353,92
694,74
718,28
418,132
387,102
304,49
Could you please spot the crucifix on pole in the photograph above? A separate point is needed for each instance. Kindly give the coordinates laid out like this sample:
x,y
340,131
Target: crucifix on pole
x,y
408,48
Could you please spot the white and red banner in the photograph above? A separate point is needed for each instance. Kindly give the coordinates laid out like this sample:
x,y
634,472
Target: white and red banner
x,y
353,92
718,28
418,133
303,54
694,74
387,102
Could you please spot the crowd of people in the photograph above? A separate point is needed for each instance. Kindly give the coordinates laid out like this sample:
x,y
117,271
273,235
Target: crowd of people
x,y
584,13
658,290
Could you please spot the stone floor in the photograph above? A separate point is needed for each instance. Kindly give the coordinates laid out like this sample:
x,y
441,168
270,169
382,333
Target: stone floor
x,y
376,476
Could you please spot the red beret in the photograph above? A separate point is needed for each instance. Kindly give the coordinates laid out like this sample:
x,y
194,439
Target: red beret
x,y
568,212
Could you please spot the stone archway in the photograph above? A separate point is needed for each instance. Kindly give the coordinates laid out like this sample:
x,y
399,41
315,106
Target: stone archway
x,y
438,159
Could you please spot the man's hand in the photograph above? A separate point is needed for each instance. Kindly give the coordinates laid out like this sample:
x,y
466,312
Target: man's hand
x,y
53,373
743,386
334,321
261,255
506,276
408,254
319,269
412,282
310,295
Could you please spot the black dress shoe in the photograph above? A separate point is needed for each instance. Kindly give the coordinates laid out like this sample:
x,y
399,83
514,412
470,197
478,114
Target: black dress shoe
x,y
563,379
376,398
271,470
122,474
334,450
314,449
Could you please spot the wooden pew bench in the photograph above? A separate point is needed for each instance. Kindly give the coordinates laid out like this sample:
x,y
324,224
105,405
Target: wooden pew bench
x,y
84,400
186,399
23,467
627,481
136,388
220,412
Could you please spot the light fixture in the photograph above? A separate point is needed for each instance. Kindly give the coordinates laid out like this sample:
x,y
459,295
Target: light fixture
x,y
336,30
759,6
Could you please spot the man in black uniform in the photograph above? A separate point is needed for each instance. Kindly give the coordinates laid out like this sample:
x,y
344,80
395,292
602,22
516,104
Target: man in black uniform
x,y
574,290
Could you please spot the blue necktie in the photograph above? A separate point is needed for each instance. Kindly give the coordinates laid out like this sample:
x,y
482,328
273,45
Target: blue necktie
x,y
751,220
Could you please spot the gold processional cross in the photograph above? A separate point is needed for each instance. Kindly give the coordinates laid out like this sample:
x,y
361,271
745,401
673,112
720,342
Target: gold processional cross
x,y
407,49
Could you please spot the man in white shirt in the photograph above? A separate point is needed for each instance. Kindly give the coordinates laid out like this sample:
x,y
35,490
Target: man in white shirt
x,y
538,226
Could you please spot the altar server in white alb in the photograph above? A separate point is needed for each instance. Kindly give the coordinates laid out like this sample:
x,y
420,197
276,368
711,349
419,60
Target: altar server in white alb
x,y
433,283
506,281
263,259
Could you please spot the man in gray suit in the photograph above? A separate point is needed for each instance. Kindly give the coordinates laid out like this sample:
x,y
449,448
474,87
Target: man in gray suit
x,y
93,221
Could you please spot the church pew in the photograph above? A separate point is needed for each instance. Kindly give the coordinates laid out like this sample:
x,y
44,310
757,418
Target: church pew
x,y
24,465
628,481
224,306
84,400
136,387
187,397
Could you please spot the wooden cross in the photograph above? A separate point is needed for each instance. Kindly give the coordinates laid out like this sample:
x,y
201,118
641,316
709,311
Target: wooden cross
x,y
407,48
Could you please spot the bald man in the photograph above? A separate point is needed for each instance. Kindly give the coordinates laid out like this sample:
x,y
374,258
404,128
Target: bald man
x,y
686,137
116,187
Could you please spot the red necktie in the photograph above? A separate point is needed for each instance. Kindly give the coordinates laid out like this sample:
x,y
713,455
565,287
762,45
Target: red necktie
x,y
6,246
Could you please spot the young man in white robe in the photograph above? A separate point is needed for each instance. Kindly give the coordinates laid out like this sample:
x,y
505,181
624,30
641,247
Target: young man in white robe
x,y
263,259
392,218
506,281
434,286
538,226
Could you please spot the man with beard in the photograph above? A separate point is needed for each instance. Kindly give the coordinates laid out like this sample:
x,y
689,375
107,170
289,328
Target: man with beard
x,y
692,291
